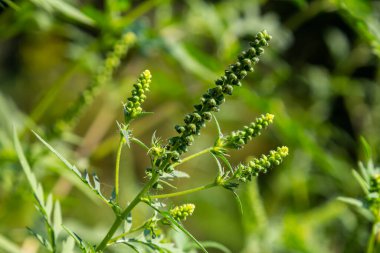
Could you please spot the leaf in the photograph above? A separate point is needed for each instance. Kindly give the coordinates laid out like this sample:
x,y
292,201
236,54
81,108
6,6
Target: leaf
x,y
8,246
226,162
179,226
351,201
220,134
67,163
41,239
57,219
68,245
83,245
237,198
85,178
66,9
24,163
216,245
361,181
221,170
366,148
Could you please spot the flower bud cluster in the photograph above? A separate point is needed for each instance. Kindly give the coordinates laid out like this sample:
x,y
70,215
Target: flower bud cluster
x,y
238,139
132,108
182,212
245,172
214,97
373,198
103,76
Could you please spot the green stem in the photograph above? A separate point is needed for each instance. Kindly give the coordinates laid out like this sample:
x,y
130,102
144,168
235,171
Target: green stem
x,y
119,219
126,233
186,159
372,239
192,190
137,12
117,168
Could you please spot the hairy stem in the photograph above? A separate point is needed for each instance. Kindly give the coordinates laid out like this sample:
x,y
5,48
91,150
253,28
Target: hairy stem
x,y
119,219
180,193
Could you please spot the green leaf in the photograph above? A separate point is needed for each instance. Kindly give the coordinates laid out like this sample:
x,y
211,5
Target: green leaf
x,y
366,148
361,181
351,201
178,225
237,198
66,9
216,245
68,245
57,219
220,134
41,239
220,168
8,246
83,245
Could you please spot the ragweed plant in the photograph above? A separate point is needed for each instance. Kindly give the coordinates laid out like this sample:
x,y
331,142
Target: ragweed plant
x,y
164,158
369,180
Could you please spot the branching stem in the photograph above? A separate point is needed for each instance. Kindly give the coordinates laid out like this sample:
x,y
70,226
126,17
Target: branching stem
x,y
188,158
185,192
119,219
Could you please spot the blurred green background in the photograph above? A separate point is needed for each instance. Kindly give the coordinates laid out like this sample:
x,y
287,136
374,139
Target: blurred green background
x,y
320,77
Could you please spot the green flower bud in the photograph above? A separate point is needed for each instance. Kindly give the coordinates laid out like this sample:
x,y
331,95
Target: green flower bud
x,y
182,212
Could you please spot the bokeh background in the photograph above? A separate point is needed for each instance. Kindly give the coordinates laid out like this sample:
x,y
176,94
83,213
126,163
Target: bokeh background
x,y
320,77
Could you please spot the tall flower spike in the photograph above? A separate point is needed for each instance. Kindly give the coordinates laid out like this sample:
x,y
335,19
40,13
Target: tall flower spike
x,y
214,97
182,212
245,172
102,77
238,139
132,109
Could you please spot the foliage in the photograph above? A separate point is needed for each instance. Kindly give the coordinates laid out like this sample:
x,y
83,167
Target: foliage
x,y
319,77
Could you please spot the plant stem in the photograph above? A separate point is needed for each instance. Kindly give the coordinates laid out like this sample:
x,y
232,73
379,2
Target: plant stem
x,y
119,219
126,233
117,168
188,158
372,239
192,190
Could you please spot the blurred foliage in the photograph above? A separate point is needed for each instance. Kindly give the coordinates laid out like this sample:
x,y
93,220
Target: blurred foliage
x,y
320,78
